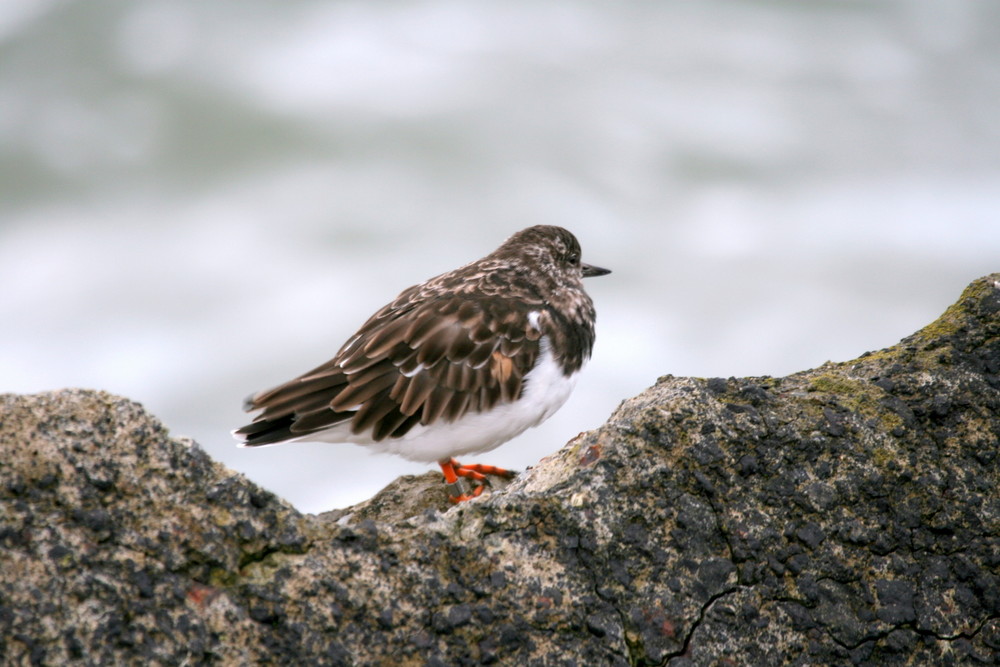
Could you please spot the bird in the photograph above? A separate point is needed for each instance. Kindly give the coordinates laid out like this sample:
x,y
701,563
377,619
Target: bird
x,y
456,365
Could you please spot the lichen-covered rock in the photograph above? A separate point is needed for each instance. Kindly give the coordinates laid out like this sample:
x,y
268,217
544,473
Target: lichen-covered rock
x,y
844,515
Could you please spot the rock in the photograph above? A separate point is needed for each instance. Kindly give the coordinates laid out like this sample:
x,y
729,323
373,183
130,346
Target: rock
x,y
843,515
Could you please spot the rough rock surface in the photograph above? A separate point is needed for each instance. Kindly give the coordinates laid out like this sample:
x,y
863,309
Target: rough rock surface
x,y
844,515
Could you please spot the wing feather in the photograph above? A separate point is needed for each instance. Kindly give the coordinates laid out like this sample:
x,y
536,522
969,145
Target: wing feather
x,y
388,424
423,328
458,375
417,361
436,403
457,406
436,347
372,412
386,338
358,394
302,389
417,389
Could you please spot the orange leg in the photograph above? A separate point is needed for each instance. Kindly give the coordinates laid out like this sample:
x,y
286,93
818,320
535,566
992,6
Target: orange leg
x,y
452,470
477,470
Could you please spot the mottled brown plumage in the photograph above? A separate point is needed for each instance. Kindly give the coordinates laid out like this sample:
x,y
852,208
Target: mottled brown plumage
x,y
461,343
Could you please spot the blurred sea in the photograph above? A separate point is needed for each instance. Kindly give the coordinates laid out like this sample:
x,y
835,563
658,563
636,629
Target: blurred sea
x,y
199,200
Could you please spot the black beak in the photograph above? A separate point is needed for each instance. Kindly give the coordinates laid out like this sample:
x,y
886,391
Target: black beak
x,y
592,271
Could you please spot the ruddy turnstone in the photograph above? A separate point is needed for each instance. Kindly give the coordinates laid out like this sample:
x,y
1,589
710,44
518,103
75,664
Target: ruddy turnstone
x,y
456,365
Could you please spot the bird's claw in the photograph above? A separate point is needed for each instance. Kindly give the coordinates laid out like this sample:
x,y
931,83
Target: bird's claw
x,y
459,494
454,471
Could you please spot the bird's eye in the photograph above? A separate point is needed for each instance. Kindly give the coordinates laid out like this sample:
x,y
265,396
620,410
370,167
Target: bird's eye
x,y
573,259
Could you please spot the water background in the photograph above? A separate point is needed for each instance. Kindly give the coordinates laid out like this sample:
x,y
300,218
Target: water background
x,y
202,199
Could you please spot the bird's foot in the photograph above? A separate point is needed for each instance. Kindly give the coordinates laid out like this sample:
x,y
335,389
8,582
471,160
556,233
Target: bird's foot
x,y
477,472
457,492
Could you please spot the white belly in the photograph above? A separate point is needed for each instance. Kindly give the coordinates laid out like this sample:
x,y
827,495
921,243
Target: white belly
x,y
546,389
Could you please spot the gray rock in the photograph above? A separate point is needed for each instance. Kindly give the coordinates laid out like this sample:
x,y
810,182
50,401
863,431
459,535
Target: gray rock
x,y
843,515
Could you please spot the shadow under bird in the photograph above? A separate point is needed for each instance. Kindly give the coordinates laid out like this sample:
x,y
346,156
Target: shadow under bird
x,y
456,365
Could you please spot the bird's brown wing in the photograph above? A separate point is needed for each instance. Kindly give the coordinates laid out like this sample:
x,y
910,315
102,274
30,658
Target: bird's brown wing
x,y
411,363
